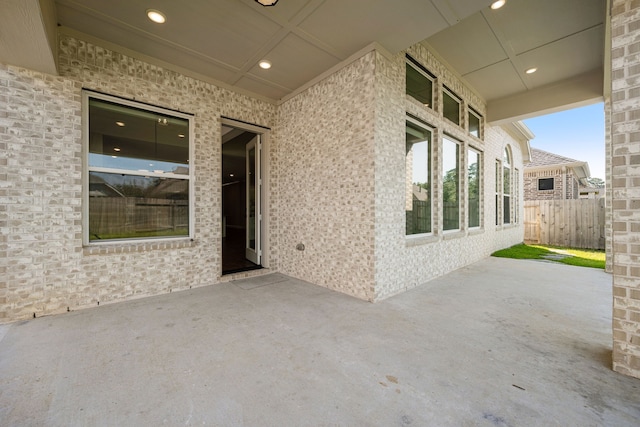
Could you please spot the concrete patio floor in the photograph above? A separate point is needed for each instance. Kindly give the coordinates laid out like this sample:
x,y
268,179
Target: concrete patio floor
x,y
499,343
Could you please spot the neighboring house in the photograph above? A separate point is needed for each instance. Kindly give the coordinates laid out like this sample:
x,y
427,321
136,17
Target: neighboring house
x,y
554,177
316,157
591,192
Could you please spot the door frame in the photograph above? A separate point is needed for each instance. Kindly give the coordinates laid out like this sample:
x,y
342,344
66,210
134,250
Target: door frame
x,y
264,134
253,254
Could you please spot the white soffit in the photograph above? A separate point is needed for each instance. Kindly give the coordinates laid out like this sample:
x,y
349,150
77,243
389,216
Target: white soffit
x,y
27,34
468,54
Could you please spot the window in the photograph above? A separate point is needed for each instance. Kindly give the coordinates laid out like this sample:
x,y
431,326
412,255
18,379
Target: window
x,y
498,189
516,196
451,106
450,184
137,182
418,180
474,123
473,190
545,184
506,187
419,82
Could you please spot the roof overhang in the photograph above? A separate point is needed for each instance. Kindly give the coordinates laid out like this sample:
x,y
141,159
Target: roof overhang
x,y
28,34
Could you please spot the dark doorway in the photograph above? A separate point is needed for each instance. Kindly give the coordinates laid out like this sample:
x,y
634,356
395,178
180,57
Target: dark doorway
x,y
240,200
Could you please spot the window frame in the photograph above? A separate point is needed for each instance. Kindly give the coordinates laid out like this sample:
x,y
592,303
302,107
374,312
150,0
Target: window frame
x,y
426,74
87,95
515,191
459,146
553,184
478,116
507,170
498,191
451,94
468,182
419,123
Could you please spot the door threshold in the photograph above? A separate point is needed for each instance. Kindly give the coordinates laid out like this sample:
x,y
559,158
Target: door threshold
x,y
241,270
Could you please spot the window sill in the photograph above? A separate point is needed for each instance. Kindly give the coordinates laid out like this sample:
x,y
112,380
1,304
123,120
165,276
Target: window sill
x,y
120,247
476,231
453,234
419,240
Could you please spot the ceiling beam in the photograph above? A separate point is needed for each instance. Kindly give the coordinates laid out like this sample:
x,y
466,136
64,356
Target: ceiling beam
x,y
28,34
578,91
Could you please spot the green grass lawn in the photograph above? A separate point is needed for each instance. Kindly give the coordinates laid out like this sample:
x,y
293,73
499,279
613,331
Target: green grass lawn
x,y
578,257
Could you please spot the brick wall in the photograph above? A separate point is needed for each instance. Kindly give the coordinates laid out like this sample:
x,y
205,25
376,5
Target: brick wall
x,y
325,179
565,185
625,185
337,183
403,262
45,266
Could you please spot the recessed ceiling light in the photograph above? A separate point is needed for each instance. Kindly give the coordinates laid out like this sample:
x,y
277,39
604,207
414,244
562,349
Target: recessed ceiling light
x,y
120,124
156,16
267,2
231,175
181,135
116,148
498,4
531,70
264,64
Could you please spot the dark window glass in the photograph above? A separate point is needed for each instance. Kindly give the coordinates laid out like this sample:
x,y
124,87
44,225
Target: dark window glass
x,y
419,85
122,137
474,125
545,184
451,107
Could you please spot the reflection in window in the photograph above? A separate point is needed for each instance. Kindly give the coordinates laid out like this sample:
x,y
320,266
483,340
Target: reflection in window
x,y
473,189
138,170
474,123
418,179
451,106
450,184
133,206
506,187
516,196
498,190
419,83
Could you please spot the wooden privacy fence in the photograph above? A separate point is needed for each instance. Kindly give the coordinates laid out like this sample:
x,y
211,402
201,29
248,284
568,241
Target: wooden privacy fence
x,y
573,223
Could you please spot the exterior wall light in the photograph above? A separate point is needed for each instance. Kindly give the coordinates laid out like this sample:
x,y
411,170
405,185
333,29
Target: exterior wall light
x,y
267,2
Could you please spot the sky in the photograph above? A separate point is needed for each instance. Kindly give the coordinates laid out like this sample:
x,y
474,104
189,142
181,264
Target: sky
x,y
577,134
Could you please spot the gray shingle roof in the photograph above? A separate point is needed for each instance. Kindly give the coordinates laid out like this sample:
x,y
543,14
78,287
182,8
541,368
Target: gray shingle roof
x,y
544,158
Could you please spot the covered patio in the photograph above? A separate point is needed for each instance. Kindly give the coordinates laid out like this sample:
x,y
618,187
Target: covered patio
x,y
499,343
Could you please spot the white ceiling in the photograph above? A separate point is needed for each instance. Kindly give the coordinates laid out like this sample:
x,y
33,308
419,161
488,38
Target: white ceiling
x,y
491,50
225,39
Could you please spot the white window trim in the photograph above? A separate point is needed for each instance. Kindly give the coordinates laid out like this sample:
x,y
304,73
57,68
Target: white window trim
x,y
431,145
480,186
479,117
414,64
460,145
458,100
86,95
